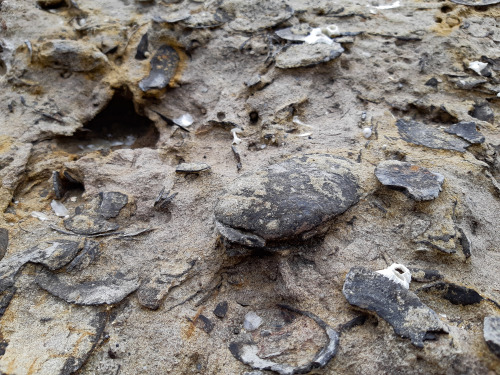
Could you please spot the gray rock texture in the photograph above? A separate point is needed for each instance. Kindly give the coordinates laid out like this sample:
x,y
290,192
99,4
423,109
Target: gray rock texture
x,y
303,55
89,93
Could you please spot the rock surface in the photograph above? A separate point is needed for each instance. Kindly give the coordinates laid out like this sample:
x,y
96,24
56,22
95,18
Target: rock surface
x,y
287,200
71,54
417,182
75,123
303,55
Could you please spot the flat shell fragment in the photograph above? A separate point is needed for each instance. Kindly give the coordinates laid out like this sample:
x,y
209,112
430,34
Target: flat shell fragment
x,y
476,3
417,182
4,241
456,294
425,135
111,203
76,56
399,307
304,55
192,167
248,353
111,290
491,332
89,225
291,199
163,68
54,256
467,131
295,33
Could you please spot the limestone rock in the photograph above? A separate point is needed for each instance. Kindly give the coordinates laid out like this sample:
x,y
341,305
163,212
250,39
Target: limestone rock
x,y
76,56
286,200
417,182
401,308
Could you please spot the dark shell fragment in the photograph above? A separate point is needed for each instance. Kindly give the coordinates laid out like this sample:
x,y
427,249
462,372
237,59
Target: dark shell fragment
x,y
163,68
398,306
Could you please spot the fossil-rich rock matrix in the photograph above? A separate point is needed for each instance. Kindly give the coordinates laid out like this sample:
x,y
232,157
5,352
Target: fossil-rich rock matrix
x,y
209,187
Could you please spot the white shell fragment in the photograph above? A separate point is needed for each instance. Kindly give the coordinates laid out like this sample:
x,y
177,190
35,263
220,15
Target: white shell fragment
x,y
40,216
477,66
317,36
330,30
59,209
367,132
397,273
236,140
396,4
185,120
252,321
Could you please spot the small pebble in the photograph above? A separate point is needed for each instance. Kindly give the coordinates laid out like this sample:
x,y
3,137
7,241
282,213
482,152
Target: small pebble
x,y
367,132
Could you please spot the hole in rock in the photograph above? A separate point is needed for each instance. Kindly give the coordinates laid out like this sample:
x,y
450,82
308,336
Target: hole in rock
x,y
51,4
446,9
254,117
116,126
399,270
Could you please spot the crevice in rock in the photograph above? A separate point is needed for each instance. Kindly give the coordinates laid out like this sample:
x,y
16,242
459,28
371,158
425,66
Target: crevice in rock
x,y
117,126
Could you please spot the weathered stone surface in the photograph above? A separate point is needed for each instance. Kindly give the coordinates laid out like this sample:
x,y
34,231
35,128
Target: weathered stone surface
x,y
152,292
286,200
254,15
192,167
111,290
203,20
491,332
111,204
303,55
417,182
89,225
428,136
456,294
467,131
76,56
60,337
60,253
163,67
401,308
